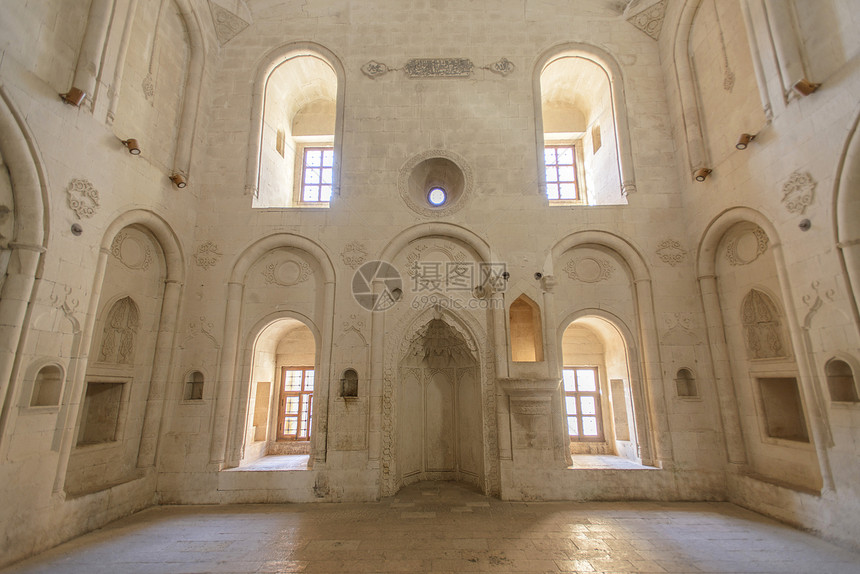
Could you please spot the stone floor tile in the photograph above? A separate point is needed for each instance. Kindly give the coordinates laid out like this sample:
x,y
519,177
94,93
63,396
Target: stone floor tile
x,y
419,531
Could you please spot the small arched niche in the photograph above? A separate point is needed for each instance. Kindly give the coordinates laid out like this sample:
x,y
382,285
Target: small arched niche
x,y
193,390
349,384
526,332
841,381
685,384
47,387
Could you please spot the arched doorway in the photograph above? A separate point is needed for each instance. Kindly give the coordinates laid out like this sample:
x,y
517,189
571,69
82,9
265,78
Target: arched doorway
x,y
281,397
598,387
439,419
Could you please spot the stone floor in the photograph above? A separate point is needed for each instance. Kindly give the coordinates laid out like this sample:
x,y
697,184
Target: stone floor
x,y
605,461
277,462
446,527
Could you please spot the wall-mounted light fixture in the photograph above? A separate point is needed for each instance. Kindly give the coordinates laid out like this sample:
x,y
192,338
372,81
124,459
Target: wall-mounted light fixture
x,y
744,141
804,87
74,97
702,173
178,180
132,145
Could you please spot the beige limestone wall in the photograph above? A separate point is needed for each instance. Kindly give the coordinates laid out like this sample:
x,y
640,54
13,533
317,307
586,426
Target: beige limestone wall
x,y
219,248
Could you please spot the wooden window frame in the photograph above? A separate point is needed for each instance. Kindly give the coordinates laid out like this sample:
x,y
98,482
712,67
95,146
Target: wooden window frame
x,y
302,153
304,406
577,395
574,149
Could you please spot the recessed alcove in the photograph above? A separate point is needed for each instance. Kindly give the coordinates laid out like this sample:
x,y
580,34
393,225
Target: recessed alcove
x,y
47,387
783,411
841,382
685,384
193,386
526,337
435,183
349,384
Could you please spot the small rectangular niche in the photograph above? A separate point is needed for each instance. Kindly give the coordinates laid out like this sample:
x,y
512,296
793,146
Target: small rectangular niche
x,y
101,413
783,409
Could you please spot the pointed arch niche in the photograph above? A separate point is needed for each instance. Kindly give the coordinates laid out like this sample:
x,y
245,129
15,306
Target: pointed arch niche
x,y
580,103
298,106
439,417
526,331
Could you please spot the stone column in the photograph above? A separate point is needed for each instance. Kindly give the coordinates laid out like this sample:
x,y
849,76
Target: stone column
x,y
158,384
729,415
119,70
377,376
222,424
787,44
323,382
653,375
90,56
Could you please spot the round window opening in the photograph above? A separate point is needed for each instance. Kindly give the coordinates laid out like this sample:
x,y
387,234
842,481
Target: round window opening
x,y
437,196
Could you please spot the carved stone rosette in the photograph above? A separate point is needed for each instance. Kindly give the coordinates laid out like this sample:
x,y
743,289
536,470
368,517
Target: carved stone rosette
x,y
798,192
670,251
589,269
207,254
83,198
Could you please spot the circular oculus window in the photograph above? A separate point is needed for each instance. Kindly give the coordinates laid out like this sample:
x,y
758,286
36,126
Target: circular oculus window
x,y
437,196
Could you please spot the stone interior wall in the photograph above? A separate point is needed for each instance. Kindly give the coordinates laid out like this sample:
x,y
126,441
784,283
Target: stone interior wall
x,y
227,269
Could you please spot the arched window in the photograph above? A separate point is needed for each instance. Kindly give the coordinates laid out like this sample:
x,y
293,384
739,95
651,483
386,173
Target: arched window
x,y
297,165
582,128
